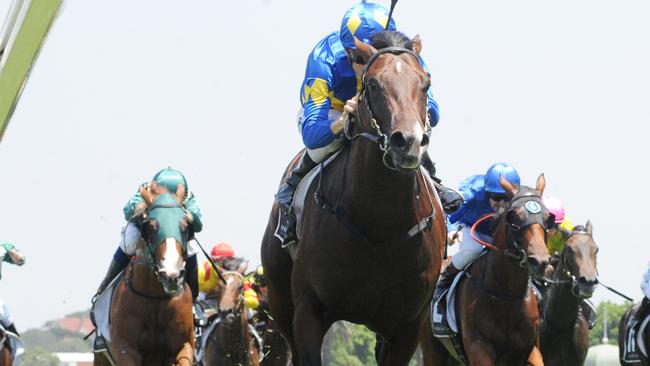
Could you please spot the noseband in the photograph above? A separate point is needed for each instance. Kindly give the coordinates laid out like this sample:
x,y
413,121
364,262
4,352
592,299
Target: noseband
x,y
533,205
378,137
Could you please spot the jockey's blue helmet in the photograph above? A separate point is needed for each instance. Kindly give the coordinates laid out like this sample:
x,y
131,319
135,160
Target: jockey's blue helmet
x,y
491,179
170,178
362,21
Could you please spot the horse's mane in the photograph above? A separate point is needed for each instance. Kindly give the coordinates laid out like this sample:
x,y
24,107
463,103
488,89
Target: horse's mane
x,y
391,39
579,228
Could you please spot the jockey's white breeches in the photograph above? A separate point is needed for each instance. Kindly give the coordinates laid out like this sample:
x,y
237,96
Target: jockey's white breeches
x,y
645,286
469,248
5,317
131,236
322,153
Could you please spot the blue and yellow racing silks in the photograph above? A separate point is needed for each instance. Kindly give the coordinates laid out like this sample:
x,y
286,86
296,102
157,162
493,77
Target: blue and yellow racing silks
x,y
476,205
329,82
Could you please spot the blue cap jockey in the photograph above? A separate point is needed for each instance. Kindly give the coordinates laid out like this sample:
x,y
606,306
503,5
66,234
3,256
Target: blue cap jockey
x,y
482,193
332,79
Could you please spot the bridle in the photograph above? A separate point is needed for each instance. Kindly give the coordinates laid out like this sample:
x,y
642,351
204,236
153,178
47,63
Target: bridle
x,y
238,307
377,135
535,209
569,277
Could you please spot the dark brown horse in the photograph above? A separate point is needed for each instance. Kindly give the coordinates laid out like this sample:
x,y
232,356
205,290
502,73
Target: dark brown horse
x,y
564,329
151,312
6,357
622,330
373,232
230,342
496,309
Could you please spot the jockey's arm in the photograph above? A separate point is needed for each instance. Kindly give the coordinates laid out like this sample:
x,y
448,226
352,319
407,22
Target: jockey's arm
x,y
134,207
193,208
17,257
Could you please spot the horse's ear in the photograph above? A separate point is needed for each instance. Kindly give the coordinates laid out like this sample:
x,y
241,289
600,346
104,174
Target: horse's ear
x,y
541,184
146,194
511,190
180,193
417,44
365,50
590,228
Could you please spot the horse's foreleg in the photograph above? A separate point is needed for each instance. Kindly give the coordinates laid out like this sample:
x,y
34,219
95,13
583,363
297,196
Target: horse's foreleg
x,y
480,354
309,329
125,355
535,358
186,355
399,347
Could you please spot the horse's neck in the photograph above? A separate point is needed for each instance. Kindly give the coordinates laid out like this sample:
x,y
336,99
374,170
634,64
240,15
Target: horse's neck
x,y
503,275
381,201
561,309
144,280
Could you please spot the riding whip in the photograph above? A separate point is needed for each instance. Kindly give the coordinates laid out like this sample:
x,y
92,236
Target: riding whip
x,y
214,266
390,13
616,292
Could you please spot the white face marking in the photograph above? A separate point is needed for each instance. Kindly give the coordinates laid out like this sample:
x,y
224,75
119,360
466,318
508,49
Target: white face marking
x,y
398,66
171,259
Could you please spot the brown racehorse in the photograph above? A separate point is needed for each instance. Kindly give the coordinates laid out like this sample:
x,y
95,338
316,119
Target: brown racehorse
x,y
6,358
622,330
496,309
151,312
372,233
564,330
230,342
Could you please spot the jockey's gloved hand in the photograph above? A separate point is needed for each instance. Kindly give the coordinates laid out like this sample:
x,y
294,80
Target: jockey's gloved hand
x,y
451,200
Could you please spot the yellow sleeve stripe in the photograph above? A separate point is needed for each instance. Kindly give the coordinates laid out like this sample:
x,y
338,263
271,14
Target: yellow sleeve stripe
x,y
318,92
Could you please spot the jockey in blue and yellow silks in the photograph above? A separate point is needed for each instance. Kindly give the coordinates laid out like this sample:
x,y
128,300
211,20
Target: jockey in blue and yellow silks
x,y
328,96
167,179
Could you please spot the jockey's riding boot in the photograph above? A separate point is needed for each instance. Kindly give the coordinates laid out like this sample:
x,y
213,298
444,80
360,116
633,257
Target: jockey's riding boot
x,y
119,262
643,310
450,199
445,280
12,329
286,230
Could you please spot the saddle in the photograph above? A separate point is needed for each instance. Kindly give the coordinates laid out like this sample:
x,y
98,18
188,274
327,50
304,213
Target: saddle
x,y
443,320
634,343
13,342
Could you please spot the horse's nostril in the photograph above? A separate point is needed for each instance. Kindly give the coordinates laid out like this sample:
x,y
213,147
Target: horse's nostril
x,y
425,140
398,141
533,261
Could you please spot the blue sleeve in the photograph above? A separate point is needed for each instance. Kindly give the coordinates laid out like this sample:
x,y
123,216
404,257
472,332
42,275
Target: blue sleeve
x,y
468,198
316,131
434,112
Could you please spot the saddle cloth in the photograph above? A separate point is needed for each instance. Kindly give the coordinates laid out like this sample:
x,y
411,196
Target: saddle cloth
x,y
15,343
101,311
634,342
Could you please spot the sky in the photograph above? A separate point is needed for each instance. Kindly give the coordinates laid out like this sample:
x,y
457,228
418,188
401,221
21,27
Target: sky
x,y
124,88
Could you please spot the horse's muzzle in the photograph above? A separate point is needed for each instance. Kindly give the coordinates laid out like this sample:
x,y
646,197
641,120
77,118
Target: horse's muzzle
x,y
173,283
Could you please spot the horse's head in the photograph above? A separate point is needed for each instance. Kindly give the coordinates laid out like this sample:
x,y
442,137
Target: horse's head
x,y
166,232
231,301
527,221
579,260
393,100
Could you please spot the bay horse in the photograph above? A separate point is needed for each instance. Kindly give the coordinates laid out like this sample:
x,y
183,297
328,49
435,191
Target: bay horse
x,y
564,334
230,341
373,231
622,331
6,354
151,311
496,309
